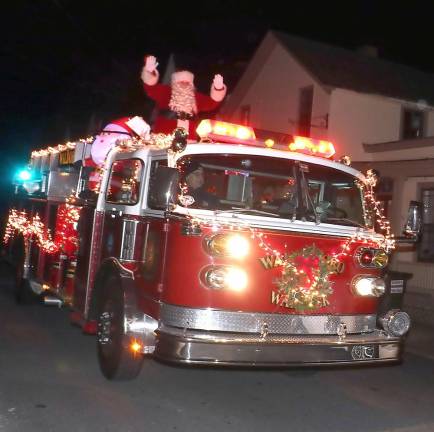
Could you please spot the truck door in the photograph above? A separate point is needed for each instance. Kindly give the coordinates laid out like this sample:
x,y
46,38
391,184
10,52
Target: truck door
x,y
122,209
112,225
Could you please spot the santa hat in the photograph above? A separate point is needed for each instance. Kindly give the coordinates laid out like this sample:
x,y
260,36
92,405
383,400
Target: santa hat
x,y
129,125
182,76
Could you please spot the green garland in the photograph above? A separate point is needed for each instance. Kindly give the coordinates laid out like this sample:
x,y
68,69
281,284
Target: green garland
x,y
305,285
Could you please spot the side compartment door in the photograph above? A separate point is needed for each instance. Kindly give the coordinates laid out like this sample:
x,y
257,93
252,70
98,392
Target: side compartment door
x,y
86,230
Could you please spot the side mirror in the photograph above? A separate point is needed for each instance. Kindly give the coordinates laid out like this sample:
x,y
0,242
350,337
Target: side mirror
x,y
413,226
163,189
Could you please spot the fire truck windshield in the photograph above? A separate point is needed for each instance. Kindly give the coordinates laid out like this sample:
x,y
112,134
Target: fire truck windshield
x,y
273,187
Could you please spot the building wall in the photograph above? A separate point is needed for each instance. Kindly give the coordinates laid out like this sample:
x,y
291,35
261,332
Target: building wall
x,y
273,96
430,123
357,118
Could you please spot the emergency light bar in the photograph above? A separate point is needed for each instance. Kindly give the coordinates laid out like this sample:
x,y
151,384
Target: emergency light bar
x,y
227,132
238,134
312,147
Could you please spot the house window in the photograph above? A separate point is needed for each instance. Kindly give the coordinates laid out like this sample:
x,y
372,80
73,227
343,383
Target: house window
x,y
412,123
305,110
426,245
245,115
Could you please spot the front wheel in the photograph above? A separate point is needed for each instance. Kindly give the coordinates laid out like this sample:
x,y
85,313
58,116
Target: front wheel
x,y
116,360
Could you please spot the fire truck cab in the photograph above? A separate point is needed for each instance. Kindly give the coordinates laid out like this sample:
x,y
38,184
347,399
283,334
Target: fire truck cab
x,y
224,252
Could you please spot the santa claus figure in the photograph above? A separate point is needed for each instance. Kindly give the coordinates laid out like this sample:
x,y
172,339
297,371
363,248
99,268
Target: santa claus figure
x,y
181,97
123,128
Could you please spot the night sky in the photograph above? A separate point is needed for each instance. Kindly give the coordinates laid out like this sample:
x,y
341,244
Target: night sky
x,y
68,66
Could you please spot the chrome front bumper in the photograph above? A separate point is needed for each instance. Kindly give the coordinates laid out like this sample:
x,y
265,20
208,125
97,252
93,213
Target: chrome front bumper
x,y
240,349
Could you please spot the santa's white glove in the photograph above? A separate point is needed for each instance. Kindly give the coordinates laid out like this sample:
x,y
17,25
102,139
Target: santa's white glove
x,y
151,64
150,73
218,82
218,88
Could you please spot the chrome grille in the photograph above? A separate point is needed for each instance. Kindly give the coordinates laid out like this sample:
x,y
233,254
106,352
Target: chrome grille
x,y
246,322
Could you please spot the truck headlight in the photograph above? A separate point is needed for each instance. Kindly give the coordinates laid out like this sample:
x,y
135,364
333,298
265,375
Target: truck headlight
x,y
224,277
368,286
227,245
395,322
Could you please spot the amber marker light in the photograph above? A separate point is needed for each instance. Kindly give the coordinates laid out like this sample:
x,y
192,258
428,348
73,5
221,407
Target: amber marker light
x,y
135,347
228,132
269,143
312,147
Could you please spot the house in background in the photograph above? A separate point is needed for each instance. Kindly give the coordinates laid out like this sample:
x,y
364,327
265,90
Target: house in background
x,y
378,112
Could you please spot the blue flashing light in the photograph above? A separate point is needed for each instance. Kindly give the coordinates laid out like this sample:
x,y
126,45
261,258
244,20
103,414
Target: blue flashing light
x,y
24,175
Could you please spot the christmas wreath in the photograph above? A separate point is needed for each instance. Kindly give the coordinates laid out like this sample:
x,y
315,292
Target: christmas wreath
x,y
304,284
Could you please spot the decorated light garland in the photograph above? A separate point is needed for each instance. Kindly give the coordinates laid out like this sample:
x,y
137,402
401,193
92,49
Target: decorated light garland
x,y
66,238
33,228
305,279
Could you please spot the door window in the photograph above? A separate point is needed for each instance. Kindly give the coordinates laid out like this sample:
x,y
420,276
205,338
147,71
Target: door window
x,y
124,183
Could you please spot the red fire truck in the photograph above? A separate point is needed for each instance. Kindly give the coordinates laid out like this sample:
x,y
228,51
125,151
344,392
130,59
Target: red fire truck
x,y
267,256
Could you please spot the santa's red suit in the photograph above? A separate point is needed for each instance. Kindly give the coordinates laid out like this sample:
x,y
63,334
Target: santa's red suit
x,y
180,98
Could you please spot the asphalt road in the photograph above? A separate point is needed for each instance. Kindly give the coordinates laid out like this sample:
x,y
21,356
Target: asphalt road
x,y
49,381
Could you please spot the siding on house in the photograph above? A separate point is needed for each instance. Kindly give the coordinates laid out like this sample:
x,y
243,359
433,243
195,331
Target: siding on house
x,y
356,118
273,95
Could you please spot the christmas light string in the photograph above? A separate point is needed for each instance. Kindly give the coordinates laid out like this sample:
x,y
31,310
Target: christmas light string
x,y
66,236
33,228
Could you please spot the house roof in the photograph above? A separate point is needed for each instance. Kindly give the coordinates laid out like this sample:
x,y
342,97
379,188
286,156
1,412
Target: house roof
x,y
338,67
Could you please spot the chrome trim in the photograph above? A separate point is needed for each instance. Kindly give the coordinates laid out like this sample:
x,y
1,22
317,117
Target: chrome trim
x,y
93,249
142,328
220,349
27,267
253,322
129,232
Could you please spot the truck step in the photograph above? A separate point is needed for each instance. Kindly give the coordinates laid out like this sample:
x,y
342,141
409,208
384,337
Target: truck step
x,y
53,301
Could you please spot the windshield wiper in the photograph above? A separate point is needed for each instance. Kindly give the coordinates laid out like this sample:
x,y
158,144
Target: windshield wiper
x,y
343,221
305,191
244,210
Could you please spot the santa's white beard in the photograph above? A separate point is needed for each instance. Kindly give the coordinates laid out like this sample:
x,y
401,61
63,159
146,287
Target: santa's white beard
x,y
183,98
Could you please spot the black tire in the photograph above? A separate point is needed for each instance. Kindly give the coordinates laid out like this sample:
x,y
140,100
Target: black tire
x,y
116,360
23,292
